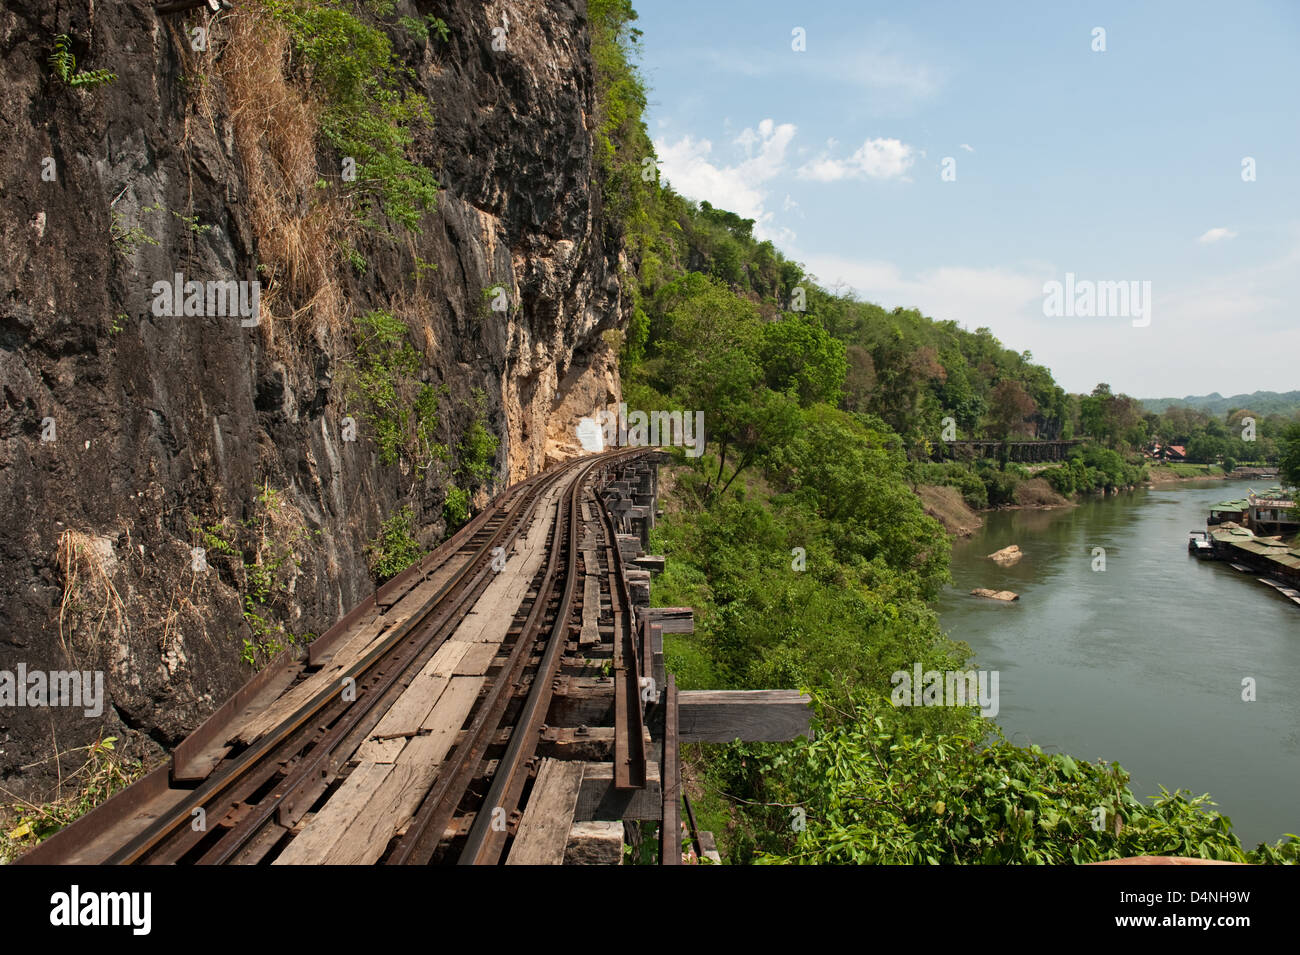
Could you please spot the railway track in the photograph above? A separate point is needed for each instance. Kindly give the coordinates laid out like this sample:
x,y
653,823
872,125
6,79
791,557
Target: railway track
x,y
414,731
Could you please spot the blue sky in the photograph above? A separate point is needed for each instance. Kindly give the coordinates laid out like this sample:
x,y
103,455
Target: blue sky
x,y
1116,166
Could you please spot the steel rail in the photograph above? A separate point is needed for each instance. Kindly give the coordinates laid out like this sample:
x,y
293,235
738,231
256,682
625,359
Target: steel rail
x,y
630,761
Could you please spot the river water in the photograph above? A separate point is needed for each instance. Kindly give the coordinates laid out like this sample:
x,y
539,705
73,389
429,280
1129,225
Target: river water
x,y
1141,663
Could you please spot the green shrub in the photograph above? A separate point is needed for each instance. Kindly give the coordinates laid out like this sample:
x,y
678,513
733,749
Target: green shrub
x,y
420,28
1061,479
367,116
395,548
402,412
1000,485
104,773
478,446
456,507
871,793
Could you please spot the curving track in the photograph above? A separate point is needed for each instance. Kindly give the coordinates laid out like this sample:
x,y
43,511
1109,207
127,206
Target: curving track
x,y
304,764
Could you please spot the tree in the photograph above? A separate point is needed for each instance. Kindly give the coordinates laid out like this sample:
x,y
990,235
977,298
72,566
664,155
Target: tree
x,y
799,356
1289,465
1009,406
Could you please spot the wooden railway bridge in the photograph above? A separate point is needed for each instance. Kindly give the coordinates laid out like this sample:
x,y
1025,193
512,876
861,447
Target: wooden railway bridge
x,y
505,700
1023,451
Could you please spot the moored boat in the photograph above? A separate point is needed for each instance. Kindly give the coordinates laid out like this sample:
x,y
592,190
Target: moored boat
x,y
1198,544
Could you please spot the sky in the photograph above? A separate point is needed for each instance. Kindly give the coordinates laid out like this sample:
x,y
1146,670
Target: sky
x,y
959,157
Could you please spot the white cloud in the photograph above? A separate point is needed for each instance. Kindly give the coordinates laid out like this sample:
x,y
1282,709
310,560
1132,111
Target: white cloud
x,y
969,148
1214,235
689,165
874,159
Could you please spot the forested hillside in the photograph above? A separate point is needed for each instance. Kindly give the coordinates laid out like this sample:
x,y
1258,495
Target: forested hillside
x,y
809,561
1265,402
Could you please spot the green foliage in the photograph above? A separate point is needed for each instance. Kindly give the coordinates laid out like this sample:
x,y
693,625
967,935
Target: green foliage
x,y
872,792
395,548
260,557
192,224
64,64
401,410
455,508
951,474
622,143
104,773
421,27
806,556
367,116
478,446
128,238
1289,466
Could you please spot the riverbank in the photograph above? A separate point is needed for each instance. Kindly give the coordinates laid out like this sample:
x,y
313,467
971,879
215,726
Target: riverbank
x,y
946,505
1173,473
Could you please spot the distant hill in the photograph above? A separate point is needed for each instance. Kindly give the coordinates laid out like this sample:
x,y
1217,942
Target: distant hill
x,y
1262,402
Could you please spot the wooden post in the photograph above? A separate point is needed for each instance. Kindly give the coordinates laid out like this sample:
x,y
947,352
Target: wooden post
x,y
670,827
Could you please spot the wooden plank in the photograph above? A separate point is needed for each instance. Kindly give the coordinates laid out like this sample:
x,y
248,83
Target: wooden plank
x,y
310,846
755,716
357,647
673,619
595,843
590,633
670,828
544,830
406,716
369,635
477,659
198,754
355,826
582,701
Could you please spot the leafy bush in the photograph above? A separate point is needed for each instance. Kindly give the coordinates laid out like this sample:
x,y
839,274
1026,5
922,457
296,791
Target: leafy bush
x,y
259,557
999,485
478,446
872,793
104,773
951,474
395,548
401,411
421,27
455,508
1061,479
366,116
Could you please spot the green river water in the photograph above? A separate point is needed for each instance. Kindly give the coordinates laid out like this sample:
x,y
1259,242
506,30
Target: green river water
x,y
1141,663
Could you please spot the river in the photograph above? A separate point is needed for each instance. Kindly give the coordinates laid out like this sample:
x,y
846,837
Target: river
x,y
1141,663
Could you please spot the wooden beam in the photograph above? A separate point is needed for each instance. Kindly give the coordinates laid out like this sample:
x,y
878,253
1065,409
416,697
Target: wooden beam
x,y
673,619
544,830
755,716
670,827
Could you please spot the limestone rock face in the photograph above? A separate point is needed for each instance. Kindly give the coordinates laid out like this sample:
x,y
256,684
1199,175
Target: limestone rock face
x,y
157,427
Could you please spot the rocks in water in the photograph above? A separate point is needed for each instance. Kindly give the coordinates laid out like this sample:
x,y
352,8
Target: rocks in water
x,y
994,594
1007,555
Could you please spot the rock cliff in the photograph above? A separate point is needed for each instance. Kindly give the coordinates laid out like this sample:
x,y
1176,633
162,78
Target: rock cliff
x,y
129,439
